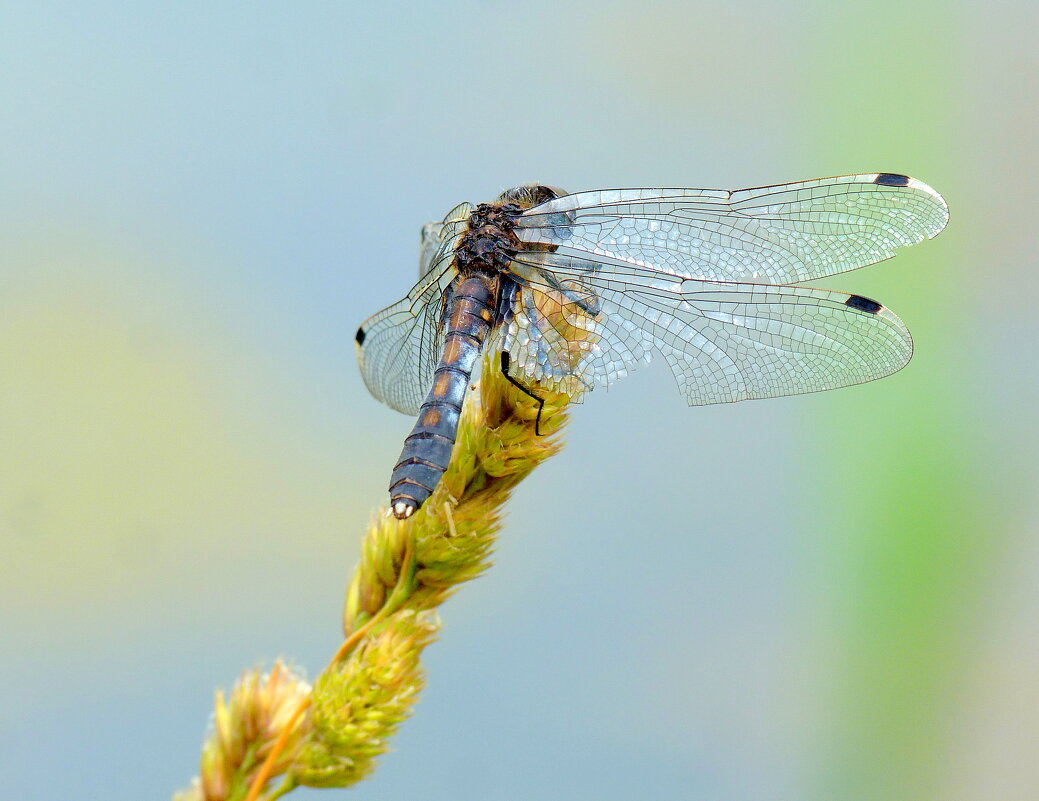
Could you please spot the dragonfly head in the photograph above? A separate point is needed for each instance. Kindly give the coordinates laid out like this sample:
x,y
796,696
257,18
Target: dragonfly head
x,y
527,196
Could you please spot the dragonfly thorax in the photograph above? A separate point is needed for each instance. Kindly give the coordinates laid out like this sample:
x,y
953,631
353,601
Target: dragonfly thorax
x,y
489,242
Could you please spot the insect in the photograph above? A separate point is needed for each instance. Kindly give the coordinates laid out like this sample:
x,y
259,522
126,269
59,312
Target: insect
x,y
573,291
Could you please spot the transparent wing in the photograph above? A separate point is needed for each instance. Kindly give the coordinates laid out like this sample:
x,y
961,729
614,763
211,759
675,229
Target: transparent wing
x,y
780,234
431,239
399,347
435,236
579,323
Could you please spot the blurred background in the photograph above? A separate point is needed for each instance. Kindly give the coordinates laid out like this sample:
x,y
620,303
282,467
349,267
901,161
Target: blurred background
x,y
822,597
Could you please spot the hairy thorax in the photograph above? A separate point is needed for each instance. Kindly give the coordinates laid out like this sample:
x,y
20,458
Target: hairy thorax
x,y
489,244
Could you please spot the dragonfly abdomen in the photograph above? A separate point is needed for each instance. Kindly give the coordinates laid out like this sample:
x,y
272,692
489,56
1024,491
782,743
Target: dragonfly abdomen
x,y
427,449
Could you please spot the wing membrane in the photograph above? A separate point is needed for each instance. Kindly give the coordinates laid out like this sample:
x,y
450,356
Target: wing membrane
x,y
399,347
436,235
781,234
723,341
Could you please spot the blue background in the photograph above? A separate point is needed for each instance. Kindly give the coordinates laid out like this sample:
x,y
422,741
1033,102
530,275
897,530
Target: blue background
x,y
830,596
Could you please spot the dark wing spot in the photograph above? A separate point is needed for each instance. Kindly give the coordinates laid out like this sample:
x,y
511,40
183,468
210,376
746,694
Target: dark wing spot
x,y
891,179
863,304
360,336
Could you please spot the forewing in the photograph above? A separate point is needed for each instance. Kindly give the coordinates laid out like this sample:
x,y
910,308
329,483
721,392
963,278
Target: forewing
x,y
431,239
780,234
723,341
399,347
436,237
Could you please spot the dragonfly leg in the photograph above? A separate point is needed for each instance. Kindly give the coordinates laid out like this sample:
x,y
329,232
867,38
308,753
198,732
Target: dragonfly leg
x,y
541,401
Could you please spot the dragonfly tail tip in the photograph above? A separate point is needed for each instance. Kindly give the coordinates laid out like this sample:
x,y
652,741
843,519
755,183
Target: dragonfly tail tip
x,y
403,509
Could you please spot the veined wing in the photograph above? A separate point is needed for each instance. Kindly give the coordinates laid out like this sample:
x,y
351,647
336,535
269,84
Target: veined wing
x,y
781,234
399,348
723,341
431,239
435,236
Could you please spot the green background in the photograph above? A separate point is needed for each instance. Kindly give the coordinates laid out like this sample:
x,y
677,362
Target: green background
x,y
822,597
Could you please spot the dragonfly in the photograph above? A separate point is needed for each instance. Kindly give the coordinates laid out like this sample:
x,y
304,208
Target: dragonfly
x,y
570,292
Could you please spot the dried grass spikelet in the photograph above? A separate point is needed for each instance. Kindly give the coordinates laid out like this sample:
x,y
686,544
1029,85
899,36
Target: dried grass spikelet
x,y
450,540
407,569
246,724
359,703
453,532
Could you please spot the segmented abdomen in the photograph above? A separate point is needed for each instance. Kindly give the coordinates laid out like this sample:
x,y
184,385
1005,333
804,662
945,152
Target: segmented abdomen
x,y
427,449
